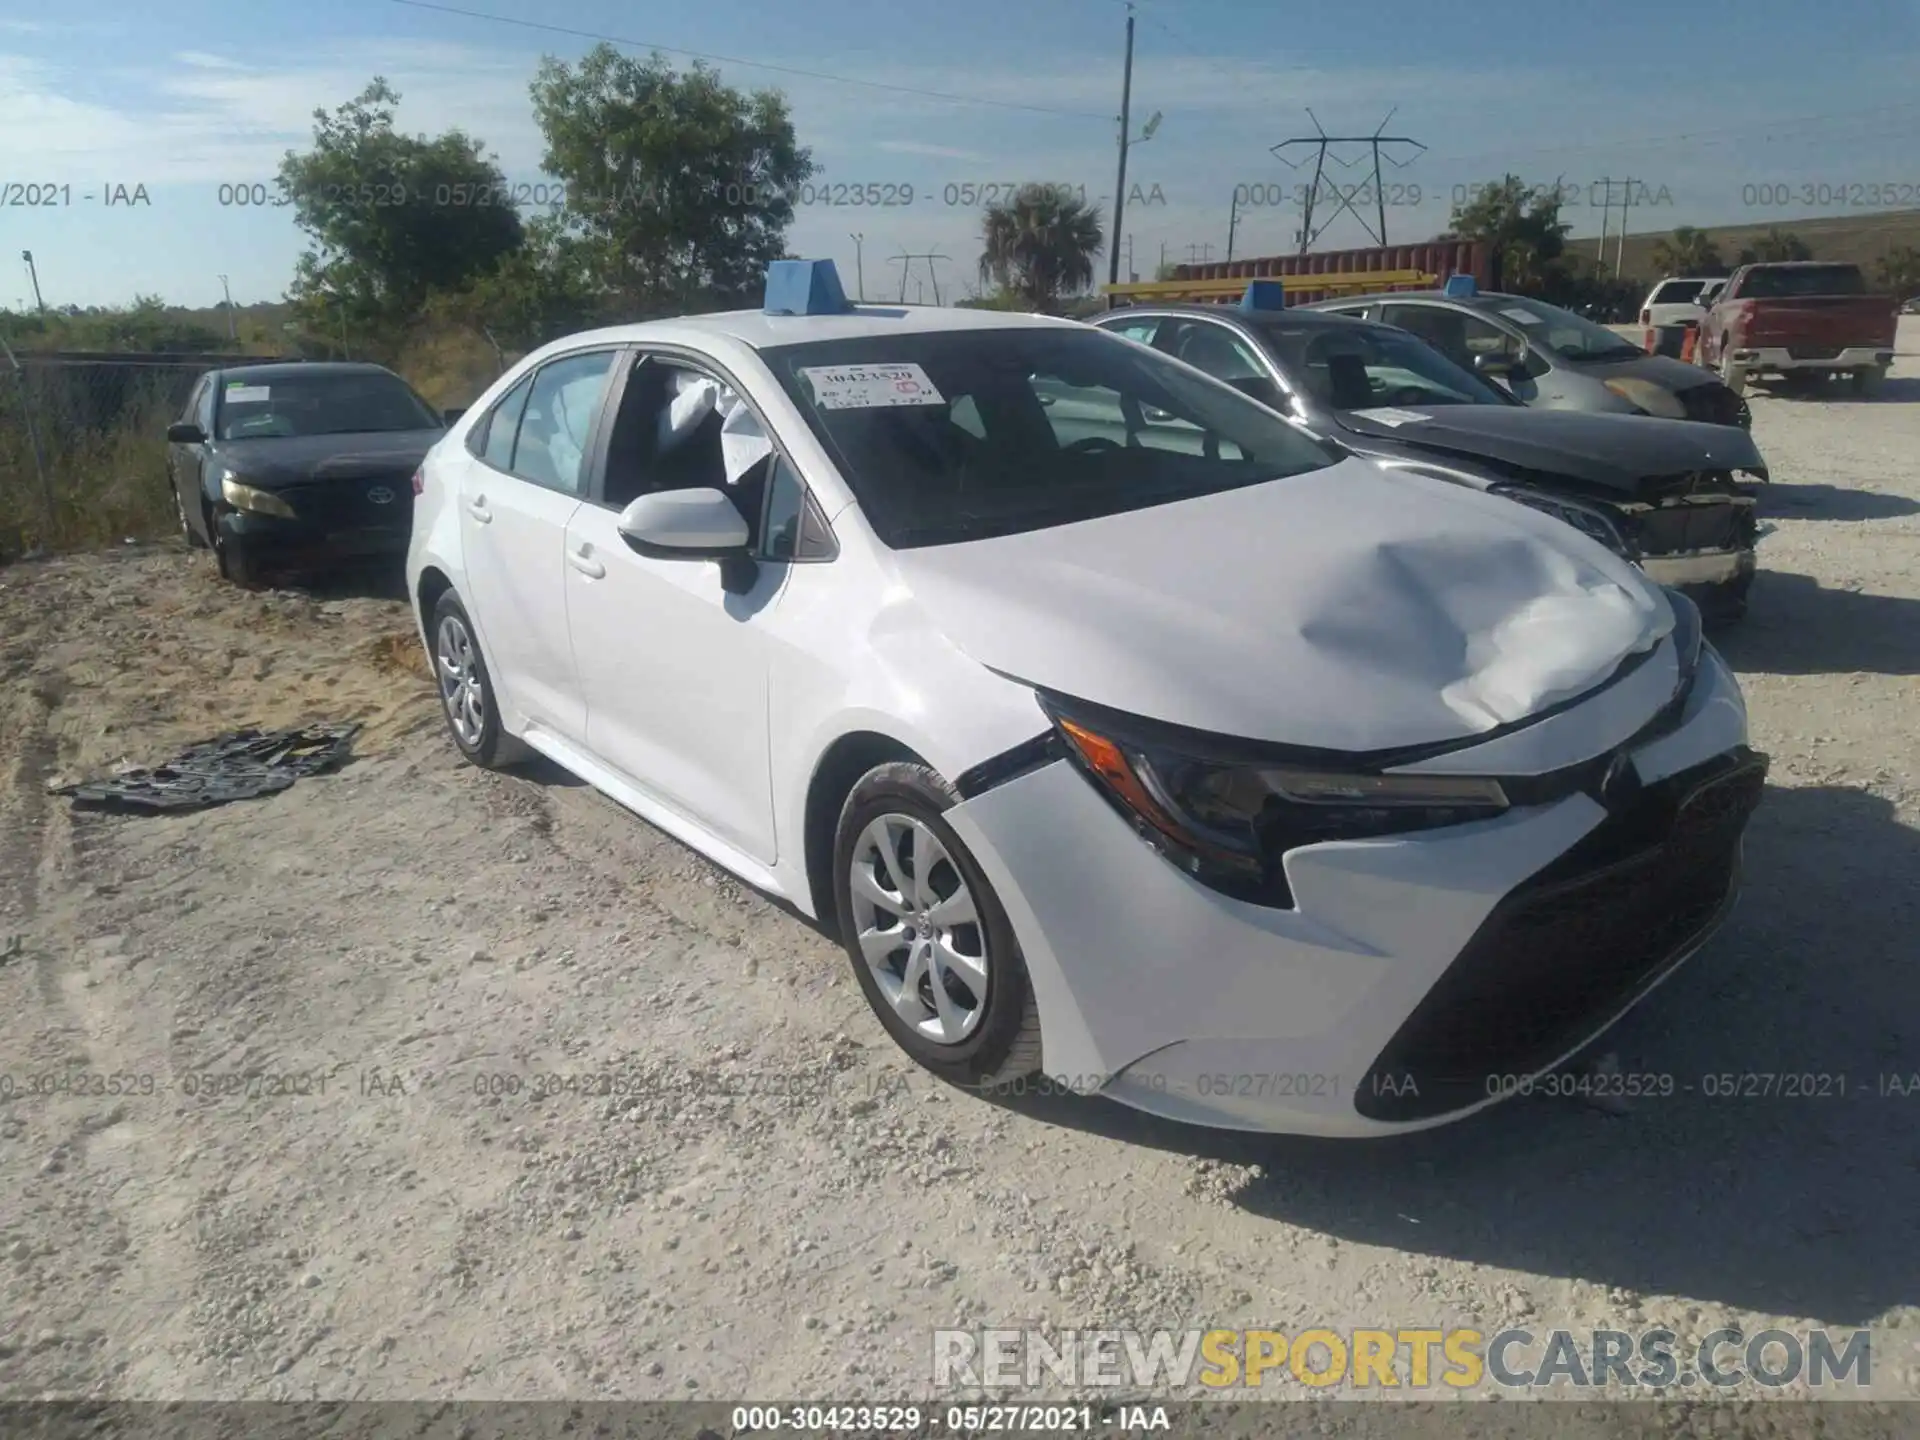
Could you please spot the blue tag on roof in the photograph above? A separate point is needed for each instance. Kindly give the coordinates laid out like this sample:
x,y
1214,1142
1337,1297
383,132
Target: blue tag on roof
x,y
804,287
1461,287
1264,295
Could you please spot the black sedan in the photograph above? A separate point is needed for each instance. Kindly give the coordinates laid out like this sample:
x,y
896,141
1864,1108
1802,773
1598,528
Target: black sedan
x,y
1674,496
296,465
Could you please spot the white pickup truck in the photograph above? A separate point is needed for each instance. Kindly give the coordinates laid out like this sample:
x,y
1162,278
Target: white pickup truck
x,y
1675,301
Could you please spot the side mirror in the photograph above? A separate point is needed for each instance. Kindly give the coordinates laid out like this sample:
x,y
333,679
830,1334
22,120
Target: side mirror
x,y
185,432
447,417
685,525
1495,364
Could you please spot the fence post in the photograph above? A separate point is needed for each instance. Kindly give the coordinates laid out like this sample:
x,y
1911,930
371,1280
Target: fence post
x,y
33,439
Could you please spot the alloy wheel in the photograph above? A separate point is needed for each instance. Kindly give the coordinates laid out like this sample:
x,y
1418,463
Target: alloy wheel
x,y
462,690
919,929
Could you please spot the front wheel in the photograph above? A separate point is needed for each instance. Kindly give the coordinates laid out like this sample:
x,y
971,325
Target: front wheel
x,y
238,565
930,943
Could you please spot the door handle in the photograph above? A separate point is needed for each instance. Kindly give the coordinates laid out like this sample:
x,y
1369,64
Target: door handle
x,y
584,562
477,508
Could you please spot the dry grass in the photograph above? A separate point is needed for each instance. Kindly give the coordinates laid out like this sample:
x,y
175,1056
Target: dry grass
x,y
106,486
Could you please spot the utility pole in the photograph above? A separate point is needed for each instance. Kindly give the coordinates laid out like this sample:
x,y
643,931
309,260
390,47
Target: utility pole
x,y
1132,274
859,271
1120,186
1199,253
232,334
1323,144
1163,255
34,275
1626,199
1233,220
1605,182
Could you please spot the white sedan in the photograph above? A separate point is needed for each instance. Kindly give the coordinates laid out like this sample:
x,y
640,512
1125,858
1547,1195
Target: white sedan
x,y
1129,735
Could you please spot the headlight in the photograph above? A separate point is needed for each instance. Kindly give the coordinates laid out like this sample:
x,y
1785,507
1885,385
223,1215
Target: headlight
x,y
1229,824
1688,634
258,502
1588,521
1649,398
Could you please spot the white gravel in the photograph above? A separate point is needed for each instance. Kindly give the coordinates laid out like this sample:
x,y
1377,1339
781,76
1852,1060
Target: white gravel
x,y
776,1204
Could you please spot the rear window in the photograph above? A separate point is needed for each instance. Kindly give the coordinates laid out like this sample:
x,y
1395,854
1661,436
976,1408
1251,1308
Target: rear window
x,y
1792,281
1677,292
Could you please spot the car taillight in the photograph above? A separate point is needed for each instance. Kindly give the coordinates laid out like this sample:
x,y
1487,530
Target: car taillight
x,y
420,481
1646,316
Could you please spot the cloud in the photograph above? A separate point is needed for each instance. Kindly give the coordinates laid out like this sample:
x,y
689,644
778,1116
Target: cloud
x,y
915,147
201,60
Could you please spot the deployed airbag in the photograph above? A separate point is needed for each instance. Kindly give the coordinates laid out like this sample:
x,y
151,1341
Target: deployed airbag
x,y
743,444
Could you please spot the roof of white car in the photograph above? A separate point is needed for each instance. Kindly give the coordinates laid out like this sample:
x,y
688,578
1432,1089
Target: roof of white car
x,y
761,331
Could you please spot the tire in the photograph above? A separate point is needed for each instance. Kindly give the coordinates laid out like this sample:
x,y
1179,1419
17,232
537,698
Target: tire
x,y
1867,380
996,1039
238,565
465,686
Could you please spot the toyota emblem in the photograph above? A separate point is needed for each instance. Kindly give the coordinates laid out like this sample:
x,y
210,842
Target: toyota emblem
x,y
380,495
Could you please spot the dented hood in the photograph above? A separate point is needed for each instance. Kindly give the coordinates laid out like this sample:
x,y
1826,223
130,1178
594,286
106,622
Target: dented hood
x,y
1348,608
1612,452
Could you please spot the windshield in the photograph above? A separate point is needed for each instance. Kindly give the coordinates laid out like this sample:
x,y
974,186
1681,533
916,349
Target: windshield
x,y
958,435
1791,282
287,404
1358,367
1563,332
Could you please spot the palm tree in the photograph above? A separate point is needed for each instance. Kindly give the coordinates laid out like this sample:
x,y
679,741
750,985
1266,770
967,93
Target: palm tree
x,y
1040,246
1687,252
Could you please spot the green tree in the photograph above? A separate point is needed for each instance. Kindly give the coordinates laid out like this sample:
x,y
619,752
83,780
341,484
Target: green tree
x,y
1041,246
1774,246
1522,225
1898,272
1688,251
680,189
393,217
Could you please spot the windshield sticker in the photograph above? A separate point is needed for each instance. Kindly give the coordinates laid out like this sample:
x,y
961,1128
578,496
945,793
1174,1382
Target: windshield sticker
x,y
870,387
1525,317
1394,417
238,394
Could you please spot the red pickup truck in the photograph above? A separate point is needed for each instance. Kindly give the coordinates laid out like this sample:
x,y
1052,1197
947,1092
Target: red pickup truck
x,y
1799,318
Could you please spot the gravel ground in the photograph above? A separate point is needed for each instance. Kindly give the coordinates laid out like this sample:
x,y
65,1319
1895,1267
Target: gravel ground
x,y
779,1205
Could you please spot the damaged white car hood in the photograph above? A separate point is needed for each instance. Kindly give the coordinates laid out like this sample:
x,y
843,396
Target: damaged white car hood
x,y
1348,608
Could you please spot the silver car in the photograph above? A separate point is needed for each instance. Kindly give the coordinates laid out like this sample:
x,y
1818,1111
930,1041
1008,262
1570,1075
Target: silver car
x,y
1551,357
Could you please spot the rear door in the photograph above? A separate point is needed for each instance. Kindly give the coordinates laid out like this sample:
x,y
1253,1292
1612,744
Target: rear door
x,y
521,480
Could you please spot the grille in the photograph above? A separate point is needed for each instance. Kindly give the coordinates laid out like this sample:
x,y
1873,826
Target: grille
x,y
1569,948
1683,528
1714,404
343,504
1813,352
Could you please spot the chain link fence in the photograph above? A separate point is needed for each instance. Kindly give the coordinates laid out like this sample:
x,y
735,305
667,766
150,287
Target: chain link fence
x,y
83,445
83,453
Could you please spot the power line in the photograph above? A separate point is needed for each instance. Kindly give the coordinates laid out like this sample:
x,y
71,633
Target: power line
x,y
913,90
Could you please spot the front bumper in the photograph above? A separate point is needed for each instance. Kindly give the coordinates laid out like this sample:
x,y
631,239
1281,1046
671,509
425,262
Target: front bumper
x,y
1783,360
1169,997
275,540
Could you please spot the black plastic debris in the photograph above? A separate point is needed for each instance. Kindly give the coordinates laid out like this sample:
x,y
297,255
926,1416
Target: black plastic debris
x,y
238,765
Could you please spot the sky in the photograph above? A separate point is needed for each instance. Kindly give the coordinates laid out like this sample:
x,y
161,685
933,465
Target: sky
x,y
150,126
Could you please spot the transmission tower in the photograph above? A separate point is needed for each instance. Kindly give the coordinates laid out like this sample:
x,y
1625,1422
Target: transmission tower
x,y
1379,146
905,262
